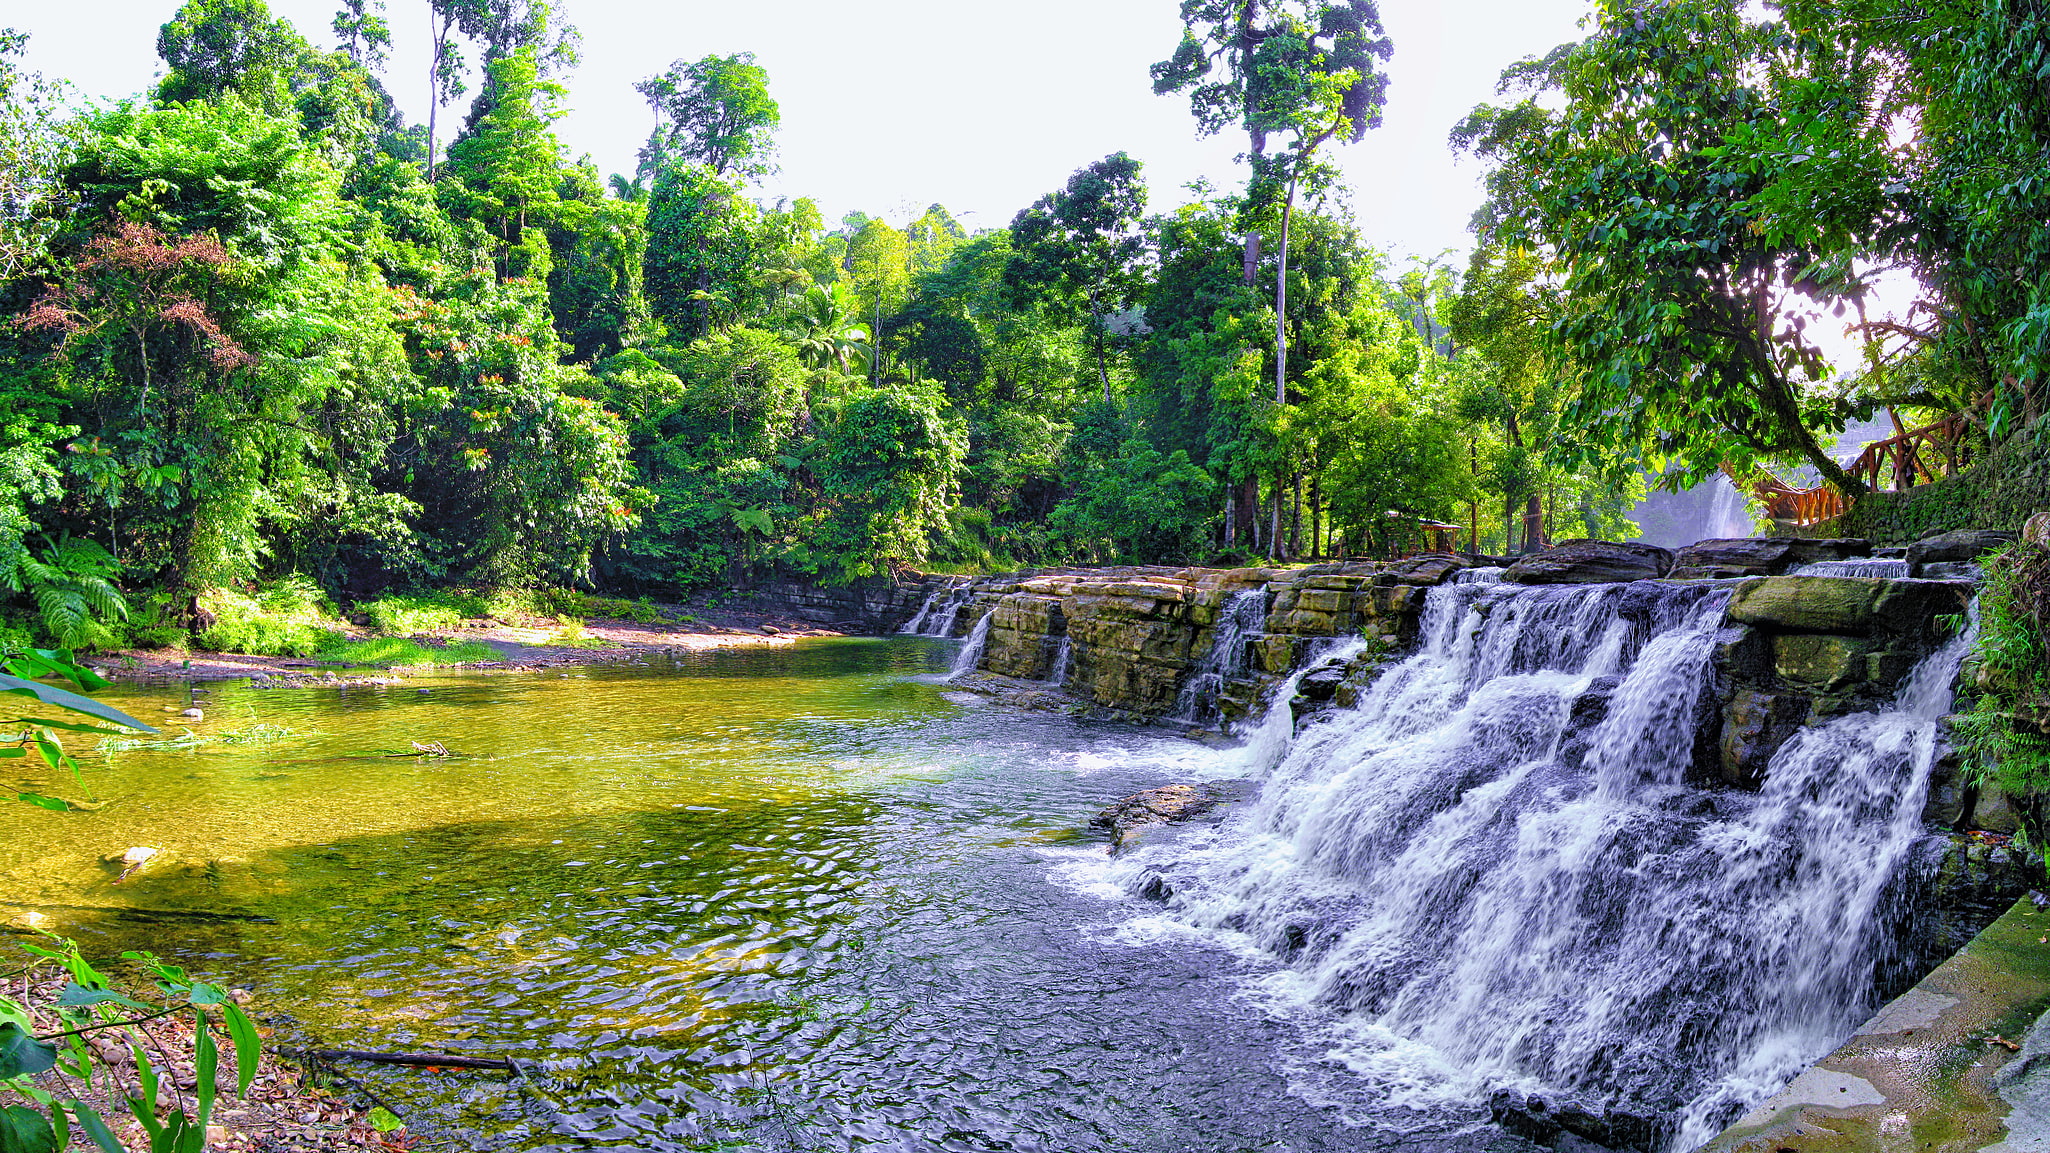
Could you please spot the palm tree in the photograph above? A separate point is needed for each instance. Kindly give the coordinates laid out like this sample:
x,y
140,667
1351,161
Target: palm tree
x,y
629,190
825,331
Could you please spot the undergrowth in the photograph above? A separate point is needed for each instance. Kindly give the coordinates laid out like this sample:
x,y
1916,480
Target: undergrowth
x,y
288,616
2002,736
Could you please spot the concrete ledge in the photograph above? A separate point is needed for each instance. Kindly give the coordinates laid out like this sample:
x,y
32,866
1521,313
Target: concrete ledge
x,y
1924,1073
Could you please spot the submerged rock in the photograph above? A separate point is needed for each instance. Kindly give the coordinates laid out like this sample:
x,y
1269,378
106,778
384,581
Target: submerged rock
x,y
1585,562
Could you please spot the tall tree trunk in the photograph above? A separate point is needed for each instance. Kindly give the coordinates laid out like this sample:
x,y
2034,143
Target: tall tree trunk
x,y
1231,535
1533,523
1295,516
1281,300
1316,516
1102,370
1274,532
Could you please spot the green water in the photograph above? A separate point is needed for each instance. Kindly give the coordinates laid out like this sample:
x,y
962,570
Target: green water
x,y
797,898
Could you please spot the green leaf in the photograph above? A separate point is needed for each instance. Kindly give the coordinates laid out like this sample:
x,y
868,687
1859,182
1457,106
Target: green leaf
x,y
23,1130
248,1048
95,1128
206,1064
69,700
21,1053
384,1120
77,994
69,726
43,802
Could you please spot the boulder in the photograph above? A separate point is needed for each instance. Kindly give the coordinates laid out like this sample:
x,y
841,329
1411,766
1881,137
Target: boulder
x,y
1591,562
1851,605
1428,569
1162,806
1757,555
1963,545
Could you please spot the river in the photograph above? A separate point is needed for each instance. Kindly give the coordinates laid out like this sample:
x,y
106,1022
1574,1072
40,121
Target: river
x,y
778,899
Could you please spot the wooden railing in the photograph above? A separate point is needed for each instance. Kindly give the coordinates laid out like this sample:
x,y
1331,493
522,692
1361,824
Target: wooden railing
x,y
1914,457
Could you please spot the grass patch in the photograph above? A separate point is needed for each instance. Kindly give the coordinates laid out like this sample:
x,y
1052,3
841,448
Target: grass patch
x,y
571,635
402,651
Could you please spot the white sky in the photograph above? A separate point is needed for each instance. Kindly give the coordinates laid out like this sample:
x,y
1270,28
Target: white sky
x,y
891,105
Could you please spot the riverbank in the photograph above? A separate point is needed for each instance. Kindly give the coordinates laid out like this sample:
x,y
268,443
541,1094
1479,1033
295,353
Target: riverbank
x,y
521,646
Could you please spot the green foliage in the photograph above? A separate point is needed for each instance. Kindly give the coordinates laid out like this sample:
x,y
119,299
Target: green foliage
x,y
287,616
405,614
72,583
89,1005
717,113
2004,736
389,651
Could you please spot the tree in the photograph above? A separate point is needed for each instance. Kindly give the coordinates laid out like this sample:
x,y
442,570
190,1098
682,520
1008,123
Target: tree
x,y
1304,69
217,46
364,36
1083,247
825,330
506,169
29,149
716,112
1683,313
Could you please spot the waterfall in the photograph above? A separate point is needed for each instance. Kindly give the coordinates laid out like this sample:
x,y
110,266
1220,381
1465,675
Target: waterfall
x,y
1493,872
1728,514
925,624
1859,567
971,649
917,622
1238,618
1061,658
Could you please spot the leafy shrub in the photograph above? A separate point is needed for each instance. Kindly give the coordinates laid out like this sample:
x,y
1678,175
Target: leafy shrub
x,y
2013,674
407,614
285,617
570,634
642,611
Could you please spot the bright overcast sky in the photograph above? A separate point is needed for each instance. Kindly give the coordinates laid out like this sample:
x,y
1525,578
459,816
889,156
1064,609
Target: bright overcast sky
x,y
894,104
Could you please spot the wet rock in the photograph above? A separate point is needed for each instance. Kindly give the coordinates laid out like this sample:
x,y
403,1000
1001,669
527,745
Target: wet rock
x,y
1161,806
1850,605
1569,1127
1428,569
1758,556
1591,562
1963,545
1755,725
1951,570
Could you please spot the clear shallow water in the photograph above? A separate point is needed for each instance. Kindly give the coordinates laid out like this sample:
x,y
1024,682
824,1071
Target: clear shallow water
x,y
786,899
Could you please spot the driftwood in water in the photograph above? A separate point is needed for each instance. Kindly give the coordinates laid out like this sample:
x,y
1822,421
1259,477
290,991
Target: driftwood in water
x,y
449,1060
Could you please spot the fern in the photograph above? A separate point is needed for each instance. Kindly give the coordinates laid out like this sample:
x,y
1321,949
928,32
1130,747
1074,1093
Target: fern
x,y
73,588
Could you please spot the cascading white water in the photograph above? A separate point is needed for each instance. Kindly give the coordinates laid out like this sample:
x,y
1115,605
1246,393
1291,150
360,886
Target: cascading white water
x,y
927,624
1860,567
1494,872
1061,658
971,649
1238,618
911,627
1729,515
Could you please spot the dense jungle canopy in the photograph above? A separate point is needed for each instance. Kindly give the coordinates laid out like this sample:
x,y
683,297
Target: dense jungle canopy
x,y
258,327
